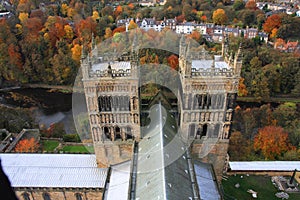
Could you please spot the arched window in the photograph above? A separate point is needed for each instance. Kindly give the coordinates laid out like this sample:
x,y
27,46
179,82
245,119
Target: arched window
x,y
118,133
46,196
26,196
106,133
192,130
216,130
204,131
129,133
135,103
78,196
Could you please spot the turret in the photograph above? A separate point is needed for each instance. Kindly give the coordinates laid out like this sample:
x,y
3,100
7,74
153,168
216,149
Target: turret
x,y
84,63
237,65
134,61
182,46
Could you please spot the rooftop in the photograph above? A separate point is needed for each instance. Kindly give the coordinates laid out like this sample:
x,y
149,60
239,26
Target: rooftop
x,y
264,165
53,170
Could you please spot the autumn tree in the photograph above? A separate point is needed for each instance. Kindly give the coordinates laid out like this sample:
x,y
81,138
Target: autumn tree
x,y
251,5
118,11
195,35
239,147
272,141
108,33
203,18
132,25
173,61
242,90
274,21
219,16
27,145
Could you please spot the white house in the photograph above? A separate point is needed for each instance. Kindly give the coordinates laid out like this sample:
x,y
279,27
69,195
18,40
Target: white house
x,y
151,23
186,28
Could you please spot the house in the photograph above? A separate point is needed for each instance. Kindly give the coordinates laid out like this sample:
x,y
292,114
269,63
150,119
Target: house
x,y
186,27
218,33
250,33
151,23
123,22
171,24
288,47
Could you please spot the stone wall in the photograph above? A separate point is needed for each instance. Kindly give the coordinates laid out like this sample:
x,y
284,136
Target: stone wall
x,y
212,152
59,193
110,154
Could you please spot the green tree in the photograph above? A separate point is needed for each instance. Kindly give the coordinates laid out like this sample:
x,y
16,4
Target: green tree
x,y
238,5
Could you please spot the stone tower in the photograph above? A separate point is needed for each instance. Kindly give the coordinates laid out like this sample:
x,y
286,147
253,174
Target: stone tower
x,y
209,85
111,90
209,88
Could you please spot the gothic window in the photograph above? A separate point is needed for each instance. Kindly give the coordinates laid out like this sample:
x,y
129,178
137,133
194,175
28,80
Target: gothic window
x,y
78,196
109,103
106,133
230,101
204,131
26,196
204,101
208,103
192,130
100,102
118,133
129,133
46,196
135,103
216,131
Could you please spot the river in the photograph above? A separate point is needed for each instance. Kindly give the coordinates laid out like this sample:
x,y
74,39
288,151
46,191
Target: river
x,y
48,106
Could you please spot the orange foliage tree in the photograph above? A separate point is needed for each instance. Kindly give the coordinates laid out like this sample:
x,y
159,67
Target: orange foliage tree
x,y
242,90
119,30
219,16
27,145
195,35
272,141
274,21
203,18
251,5
173,61
118,11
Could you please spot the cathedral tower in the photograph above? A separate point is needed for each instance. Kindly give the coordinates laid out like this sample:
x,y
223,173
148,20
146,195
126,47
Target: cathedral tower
x,y
111,91
209,88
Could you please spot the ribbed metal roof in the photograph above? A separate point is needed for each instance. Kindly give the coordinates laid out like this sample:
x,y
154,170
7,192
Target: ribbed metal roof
x,y
53,170
206,181
119,182
265,165
162,166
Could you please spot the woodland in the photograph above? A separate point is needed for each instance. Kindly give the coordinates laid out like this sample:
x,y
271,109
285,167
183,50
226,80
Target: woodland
x,y
41,43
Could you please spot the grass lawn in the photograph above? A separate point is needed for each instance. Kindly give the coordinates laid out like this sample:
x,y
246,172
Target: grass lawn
x,y
261,184
78,149
49,145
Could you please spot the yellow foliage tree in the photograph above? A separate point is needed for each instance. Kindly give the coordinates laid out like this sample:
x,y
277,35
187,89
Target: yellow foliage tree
x,y
219,16
71,13
274,33
242,90
69,31
76,52
23,16
108,33
132,25
95,15
64,9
